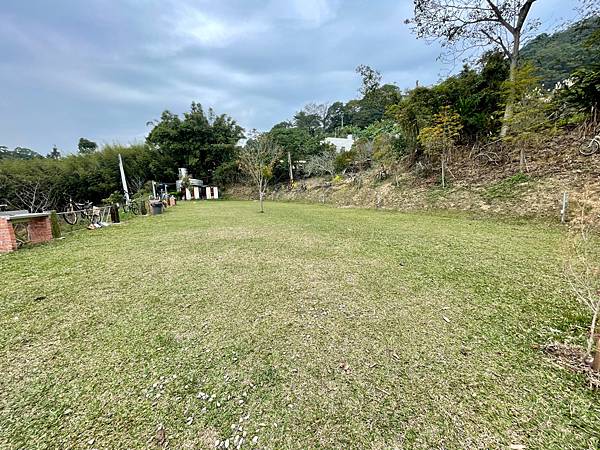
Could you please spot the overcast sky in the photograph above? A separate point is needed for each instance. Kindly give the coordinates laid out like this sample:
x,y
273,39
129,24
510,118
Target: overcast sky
x,y
102,68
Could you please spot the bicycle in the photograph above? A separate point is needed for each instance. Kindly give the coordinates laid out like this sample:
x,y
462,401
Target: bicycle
x,y
592,148
131,206
86,210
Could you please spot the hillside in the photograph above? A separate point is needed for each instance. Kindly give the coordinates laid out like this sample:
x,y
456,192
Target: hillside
x,y
558,54
481,182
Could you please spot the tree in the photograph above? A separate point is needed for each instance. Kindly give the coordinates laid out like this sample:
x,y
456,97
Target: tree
x,y
413,114
307,121
34,196
336,117
583,271
440,138
55,153
86,146
199,142
321,164
530,109
386,154
464,25
581,91
257,160
362,151
371,79
18,153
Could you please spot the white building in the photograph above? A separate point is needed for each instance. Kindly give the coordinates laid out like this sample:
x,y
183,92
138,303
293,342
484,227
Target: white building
x,y
340,144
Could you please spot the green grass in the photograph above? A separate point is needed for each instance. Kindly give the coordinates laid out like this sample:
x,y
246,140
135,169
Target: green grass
x,y
306,326
508,188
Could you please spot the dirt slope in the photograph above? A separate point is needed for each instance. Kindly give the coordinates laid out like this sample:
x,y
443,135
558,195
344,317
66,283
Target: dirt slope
x,y
481,180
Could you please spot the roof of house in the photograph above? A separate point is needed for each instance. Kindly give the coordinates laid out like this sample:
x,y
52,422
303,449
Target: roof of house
x,y
340,144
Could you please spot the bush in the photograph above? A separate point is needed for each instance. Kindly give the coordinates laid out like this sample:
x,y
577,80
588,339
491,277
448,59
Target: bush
x,y
344,161
55,225
226,174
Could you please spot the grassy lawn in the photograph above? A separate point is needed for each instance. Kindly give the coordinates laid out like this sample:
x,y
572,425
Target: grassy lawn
x,y
305,327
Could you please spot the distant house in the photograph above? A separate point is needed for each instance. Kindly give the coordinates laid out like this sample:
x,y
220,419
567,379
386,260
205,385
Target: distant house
x,y
340,144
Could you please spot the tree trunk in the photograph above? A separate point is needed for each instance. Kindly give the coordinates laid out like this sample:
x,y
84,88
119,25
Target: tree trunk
x,y
596,361
514,61
260,199
522,159
590,342
443,172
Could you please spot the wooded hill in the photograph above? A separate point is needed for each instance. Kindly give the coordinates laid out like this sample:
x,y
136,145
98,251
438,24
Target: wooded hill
x,y
557,55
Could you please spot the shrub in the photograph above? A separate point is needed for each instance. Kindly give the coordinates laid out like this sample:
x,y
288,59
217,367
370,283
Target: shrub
x,y
344,161
55,225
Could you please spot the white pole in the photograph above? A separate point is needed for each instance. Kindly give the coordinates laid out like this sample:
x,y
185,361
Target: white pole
x,y
154,190
123,180
563,211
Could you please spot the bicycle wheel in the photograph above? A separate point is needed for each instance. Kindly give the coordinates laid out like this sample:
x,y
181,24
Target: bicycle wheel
x,y
590,149
70,217
134,207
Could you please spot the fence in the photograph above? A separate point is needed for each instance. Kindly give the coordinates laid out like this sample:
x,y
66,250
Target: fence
x,y
20,228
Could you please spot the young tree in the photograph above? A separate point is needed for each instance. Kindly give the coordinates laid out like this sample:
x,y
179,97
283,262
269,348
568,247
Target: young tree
x,y
440,138
371,79
465,25
34,196
386,154
321,164
363,153
529,112
257,160
583,271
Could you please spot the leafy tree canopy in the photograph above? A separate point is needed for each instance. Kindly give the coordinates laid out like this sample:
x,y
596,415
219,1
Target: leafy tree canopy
x,y
86,146
199,142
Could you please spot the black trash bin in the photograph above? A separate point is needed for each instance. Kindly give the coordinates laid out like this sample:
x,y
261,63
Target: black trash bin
x,y
157,208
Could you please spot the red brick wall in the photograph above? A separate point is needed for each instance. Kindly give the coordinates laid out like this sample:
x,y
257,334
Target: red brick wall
x,y
40,230
8,242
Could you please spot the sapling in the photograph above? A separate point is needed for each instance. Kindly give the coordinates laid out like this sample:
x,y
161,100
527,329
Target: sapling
x,y
257,160
583,272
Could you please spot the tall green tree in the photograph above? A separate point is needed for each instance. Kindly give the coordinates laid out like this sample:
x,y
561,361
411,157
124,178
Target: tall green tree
x,y
199,142
55,153
86,146
472,24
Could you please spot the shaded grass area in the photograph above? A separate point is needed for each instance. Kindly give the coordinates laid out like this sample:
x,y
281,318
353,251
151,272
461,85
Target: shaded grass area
x,y
305,327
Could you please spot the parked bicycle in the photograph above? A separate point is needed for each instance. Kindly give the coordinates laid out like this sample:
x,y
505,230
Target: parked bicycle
x,y
592,148
85,210
132,206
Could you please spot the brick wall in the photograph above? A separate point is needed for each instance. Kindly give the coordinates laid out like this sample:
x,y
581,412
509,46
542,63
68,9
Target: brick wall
x,y
8,242
40,230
